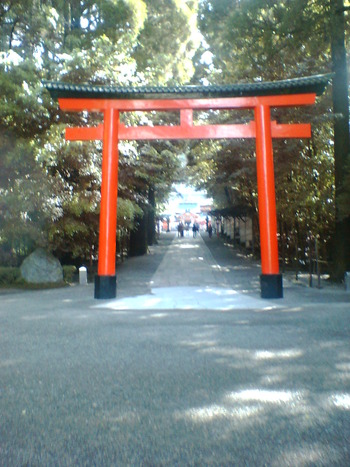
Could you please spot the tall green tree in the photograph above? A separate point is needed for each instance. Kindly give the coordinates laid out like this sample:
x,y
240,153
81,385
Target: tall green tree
x,y
340,95
124,42
267,40
168,41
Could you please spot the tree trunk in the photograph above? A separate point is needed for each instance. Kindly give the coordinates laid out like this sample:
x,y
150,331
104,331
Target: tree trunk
x,y
341,244
151,232
138,237
75,14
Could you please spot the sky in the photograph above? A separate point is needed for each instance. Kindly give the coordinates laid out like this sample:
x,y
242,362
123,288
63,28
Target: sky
x,y
185,194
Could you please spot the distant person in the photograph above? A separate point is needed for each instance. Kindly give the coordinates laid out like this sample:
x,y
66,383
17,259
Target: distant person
x,y
180,230
194,230
210,230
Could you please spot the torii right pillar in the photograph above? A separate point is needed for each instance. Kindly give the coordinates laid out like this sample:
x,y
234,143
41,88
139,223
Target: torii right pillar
x,y
270,279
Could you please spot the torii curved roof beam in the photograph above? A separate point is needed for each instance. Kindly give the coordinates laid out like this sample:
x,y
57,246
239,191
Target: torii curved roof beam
x,y
304,85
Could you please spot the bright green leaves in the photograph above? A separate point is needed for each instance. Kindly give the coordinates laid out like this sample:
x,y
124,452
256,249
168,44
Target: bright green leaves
x,y
168,42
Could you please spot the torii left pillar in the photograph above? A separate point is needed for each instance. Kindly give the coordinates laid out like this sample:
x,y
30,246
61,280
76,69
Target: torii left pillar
x,y
106,279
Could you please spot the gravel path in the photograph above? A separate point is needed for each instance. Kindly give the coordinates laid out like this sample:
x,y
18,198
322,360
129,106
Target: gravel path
x,y
225,379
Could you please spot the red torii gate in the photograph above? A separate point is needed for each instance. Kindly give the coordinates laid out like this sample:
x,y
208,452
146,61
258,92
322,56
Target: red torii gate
x,y
260,97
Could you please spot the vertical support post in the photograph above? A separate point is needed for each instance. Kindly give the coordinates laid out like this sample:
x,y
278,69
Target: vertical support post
x,y
105,281
270,279
186,117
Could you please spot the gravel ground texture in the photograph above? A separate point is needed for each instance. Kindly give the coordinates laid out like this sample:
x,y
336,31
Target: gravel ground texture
x,y
188,366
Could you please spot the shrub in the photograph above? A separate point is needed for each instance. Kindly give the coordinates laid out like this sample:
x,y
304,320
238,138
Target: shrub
x,y
9,275
68,273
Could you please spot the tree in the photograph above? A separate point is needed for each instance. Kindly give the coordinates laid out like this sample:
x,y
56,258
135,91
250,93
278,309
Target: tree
x,y
148,176
26,206
341,247
168,41
124,42
268,40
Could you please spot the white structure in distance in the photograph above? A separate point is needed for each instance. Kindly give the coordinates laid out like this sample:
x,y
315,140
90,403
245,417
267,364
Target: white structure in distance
x,y
187,205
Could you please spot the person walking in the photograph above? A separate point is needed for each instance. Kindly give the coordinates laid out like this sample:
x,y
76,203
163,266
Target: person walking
x,y
180,230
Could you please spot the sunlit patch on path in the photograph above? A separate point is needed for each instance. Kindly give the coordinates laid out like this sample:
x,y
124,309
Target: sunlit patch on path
x,y
188,298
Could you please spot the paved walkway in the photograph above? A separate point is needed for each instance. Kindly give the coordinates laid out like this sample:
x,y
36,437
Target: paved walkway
x,y
206,273
188,277
188,366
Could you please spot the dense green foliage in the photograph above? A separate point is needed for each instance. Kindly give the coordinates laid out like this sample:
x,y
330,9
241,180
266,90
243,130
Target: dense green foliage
x,y
261,40
9,275
50,189
69,271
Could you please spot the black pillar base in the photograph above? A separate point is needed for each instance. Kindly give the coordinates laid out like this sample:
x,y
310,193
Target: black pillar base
x,y
105,286
271,286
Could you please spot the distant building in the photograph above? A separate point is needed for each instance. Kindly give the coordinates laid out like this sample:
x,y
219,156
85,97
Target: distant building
x,y
206,208
186,207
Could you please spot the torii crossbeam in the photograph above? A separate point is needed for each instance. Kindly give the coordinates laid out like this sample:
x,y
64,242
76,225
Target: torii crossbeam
x,y
260,97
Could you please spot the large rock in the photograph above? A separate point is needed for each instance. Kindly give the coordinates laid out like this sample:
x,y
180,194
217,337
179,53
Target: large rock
x,y
41,267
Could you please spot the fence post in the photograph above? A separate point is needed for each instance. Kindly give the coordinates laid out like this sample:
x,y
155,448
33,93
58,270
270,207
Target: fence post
x,y
347,281
318,267
82,275
310,261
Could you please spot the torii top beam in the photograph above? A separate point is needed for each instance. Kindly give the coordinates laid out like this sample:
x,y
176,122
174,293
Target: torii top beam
x,y
315,84
286,93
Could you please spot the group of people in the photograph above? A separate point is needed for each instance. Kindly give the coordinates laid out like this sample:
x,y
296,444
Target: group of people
x,y
181,228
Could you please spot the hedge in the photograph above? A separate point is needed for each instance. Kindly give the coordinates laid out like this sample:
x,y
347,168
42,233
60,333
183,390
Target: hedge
x,y
12,276
68,273
9,275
